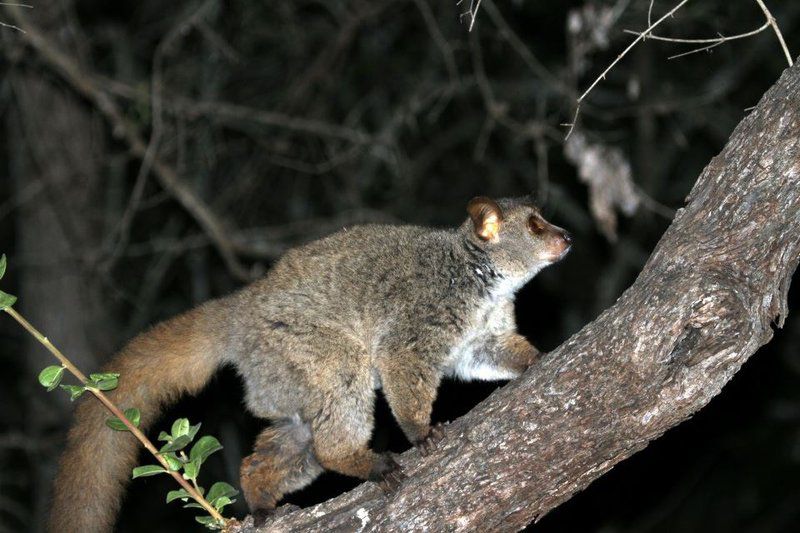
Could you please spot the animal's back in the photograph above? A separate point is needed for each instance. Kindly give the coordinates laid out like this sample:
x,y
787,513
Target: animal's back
x,y
343,270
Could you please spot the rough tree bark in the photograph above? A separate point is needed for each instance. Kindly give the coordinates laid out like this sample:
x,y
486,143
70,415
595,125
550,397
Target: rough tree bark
x,y
703,304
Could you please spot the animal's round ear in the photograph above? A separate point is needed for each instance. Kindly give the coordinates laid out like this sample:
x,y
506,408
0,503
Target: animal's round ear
x,y
486,217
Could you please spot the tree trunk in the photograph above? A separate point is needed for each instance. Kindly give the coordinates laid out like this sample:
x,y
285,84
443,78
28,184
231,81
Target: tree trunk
x,y
703,304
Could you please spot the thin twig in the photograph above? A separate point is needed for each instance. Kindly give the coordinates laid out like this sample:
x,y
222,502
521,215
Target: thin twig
x,y
11,26
630,46
574,121
116,411
777,30
695,50
472,12
619,57
720,39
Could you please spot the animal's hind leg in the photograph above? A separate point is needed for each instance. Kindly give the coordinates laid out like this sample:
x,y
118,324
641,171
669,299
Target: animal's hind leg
x,y
339,401
282,462
342,430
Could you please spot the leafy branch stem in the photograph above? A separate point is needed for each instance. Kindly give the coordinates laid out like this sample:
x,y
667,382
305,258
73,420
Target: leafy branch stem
x,y
44,341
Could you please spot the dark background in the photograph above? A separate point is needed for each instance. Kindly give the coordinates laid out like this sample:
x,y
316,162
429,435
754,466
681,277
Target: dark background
x,y
242,101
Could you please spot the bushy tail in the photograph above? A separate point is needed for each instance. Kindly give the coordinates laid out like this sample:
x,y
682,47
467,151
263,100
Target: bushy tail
x,y
174,357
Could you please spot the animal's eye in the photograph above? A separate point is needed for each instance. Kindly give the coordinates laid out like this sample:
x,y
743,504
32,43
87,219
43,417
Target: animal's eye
x,y
536,224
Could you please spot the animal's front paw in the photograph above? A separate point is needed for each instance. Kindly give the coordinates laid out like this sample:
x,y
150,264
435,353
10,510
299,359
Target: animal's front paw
x,y
387,473
262,516
429,444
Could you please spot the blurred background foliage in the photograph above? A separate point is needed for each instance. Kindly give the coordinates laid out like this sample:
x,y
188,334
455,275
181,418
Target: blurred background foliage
x,y
158,154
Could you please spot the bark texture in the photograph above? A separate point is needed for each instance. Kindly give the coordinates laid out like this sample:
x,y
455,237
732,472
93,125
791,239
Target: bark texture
x,y
703,304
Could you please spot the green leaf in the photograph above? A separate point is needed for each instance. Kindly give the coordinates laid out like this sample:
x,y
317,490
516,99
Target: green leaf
x,y
203,448
193,431
106,381
173,461
75,391
209,522
103,376
131,414
51,376
6,300
177,494
164,436
106,384
148,470
180,427
191,469
177,444
116,424
220,503
193,505
220,489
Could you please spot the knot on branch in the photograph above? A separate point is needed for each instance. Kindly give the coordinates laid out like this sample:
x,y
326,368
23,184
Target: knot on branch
x,y
713,341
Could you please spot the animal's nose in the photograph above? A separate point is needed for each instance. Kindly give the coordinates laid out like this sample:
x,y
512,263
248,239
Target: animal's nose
x,y
567,237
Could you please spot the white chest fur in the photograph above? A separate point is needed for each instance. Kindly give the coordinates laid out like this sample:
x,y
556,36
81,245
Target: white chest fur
x,y
468,359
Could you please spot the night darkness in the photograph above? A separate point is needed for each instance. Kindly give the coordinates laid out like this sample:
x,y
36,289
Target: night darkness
x,y
288,120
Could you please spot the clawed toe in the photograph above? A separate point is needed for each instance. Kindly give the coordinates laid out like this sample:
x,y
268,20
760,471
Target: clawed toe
x,y
430,443
262,516
388,474
391,481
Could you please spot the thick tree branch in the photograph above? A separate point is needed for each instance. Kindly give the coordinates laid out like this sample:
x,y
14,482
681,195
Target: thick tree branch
x,y
703,304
